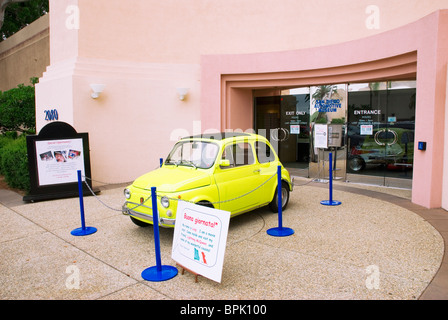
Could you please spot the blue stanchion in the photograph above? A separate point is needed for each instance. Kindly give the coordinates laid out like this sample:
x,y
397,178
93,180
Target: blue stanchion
x,y
83,231
280,231
331,202
161,162
158,272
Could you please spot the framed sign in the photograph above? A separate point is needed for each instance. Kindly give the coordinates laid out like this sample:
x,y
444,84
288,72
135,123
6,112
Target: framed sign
x,y
321,136
200,236
54,157
59,160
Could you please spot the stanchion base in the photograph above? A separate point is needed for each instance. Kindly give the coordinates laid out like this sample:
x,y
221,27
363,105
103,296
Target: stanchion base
x,y
330,203
152,274
83,232
280,232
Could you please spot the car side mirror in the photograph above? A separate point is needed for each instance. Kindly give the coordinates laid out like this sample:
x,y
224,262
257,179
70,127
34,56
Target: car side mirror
x,y
224,163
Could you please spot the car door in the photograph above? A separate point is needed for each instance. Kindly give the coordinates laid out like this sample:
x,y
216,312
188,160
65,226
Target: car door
x,y
238,182
268,168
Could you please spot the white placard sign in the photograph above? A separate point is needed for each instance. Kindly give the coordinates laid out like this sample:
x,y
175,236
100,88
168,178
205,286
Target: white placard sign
x,y
366,129
294,129
58,161
320,136
200,236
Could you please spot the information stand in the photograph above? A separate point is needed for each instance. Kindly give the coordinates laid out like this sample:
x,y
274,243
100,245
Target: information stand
x,y
196,275
54,157
327,138
199,240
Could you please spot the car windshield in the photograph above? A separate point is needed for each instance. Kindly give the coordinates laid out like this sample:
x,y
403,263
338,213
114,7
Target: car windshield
x,y
197,154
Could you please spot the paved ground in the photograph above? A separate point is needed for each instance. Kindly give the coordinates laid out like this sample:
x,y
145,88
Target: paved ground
x,y
335,252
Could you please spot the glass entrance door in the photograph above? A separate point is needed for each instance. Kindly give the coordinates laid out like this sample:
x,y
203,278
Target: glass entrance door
x,y
381,122
284,121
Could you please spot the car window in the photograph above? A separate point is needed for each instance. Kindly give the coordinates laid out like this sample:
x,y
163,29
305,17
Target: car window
x,y
238,154
197,154
264,152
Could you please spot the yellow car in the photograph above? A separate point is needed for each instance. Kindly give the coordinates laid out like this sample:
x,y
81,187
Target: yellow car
x,y
235,172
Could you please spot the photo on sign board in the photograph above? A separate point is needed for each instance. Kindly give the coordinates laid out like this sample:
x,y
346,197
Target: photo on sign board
x,y
73,154
60,156
46,156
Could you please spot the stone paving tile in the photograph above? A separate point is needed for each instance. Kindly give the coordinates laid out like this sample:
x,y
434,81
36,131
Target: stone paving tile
x,y
328,257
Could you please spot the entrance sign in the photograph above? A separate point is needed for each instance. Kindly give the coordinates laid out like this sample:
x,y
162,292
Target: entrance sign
x,y
320,136
54,157
200,237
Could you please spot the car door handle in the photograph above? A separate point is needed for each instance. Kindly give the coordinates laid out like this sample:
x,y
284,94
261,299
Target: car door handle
x,y
257,171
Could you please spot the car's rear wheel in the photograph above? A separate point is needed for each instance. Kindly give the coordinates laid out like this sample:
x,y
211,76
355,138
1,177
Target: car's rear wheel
x,y
285,198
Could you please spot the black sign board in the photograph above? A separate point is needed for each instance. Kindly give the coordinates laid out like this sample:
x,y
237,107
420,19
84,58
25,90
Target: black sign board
x,y
54,157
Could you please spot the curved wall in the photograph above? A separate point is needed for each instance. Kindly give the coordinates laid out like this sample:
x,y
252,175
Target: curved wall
x,y
415,51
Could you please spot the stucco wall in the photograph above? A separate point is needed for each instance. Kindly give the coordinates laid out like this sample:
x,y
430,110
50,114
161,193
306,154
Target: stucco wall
x,y
181,31
25,54
143,49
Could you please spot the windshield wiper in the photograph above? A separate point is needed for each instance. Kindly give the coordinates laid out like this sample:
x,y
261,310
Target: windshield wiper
x,y
179,162
189,162
170,162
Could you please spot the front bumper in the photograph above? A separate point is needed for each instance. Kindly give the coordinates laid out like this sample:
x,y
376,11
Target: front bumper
x,y
162,221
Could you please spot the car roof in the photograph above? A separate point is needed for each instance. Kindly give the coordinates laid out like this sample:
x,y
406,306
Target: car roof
x,y
220,135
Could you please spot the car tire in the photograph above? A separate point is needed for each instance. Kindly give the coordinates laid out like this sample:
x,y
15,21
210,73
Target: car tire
x,y
356,164
285,198
139,222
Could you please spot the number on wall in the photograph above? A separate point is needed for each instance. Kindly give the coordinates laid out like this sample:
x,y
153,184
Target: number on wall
x,y
51,115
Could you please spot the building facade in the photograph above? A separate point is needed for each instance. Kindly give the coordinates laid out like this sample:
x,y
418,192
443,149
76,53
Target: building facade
x,y
375,75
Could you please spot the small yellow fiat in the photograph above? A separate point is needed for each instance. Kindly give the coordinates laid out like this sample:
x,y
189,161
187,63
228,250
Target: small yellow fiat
x,y
235,172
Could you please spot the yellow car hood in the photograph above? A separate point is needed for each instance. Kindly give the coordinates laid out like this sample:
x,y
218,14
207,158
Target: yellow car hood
x,y
173,179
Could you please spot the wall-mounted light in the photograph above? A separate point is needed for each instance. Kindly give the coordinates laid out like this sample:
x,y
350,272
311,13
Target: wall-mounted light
x,y
97,88
182,92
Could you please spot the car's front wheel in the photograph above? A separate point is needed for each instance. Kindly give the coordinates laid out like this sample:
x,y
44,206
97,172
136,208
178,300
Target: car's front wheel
x,y
285,198
139,222
205,203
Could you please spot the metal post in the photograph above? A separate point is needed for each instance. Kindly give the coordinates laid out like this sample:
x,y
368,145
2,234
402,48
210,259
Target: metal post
x,y
83,231
280,231
279,196
81,201
330,202
155,221
158,272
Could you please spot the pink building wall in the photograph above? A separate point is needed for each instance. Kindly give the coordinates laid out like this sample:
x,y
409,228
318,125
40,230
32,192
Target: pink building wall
x,y
419,48
142,50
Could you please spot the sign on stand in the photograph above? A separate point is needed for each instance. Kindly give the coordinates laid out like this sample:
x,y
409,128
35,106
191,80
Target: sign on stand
x,y
54,157
200,237
321,136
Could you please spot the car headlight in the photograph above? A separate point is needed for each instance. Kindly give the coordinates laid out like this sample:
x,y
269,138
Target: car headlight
x,y
127,193
165,201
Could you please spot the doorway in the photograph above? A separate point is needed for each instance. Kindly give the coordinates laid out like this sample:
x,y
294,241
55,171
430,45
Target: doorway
x,y
377,122
381,125
285,121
